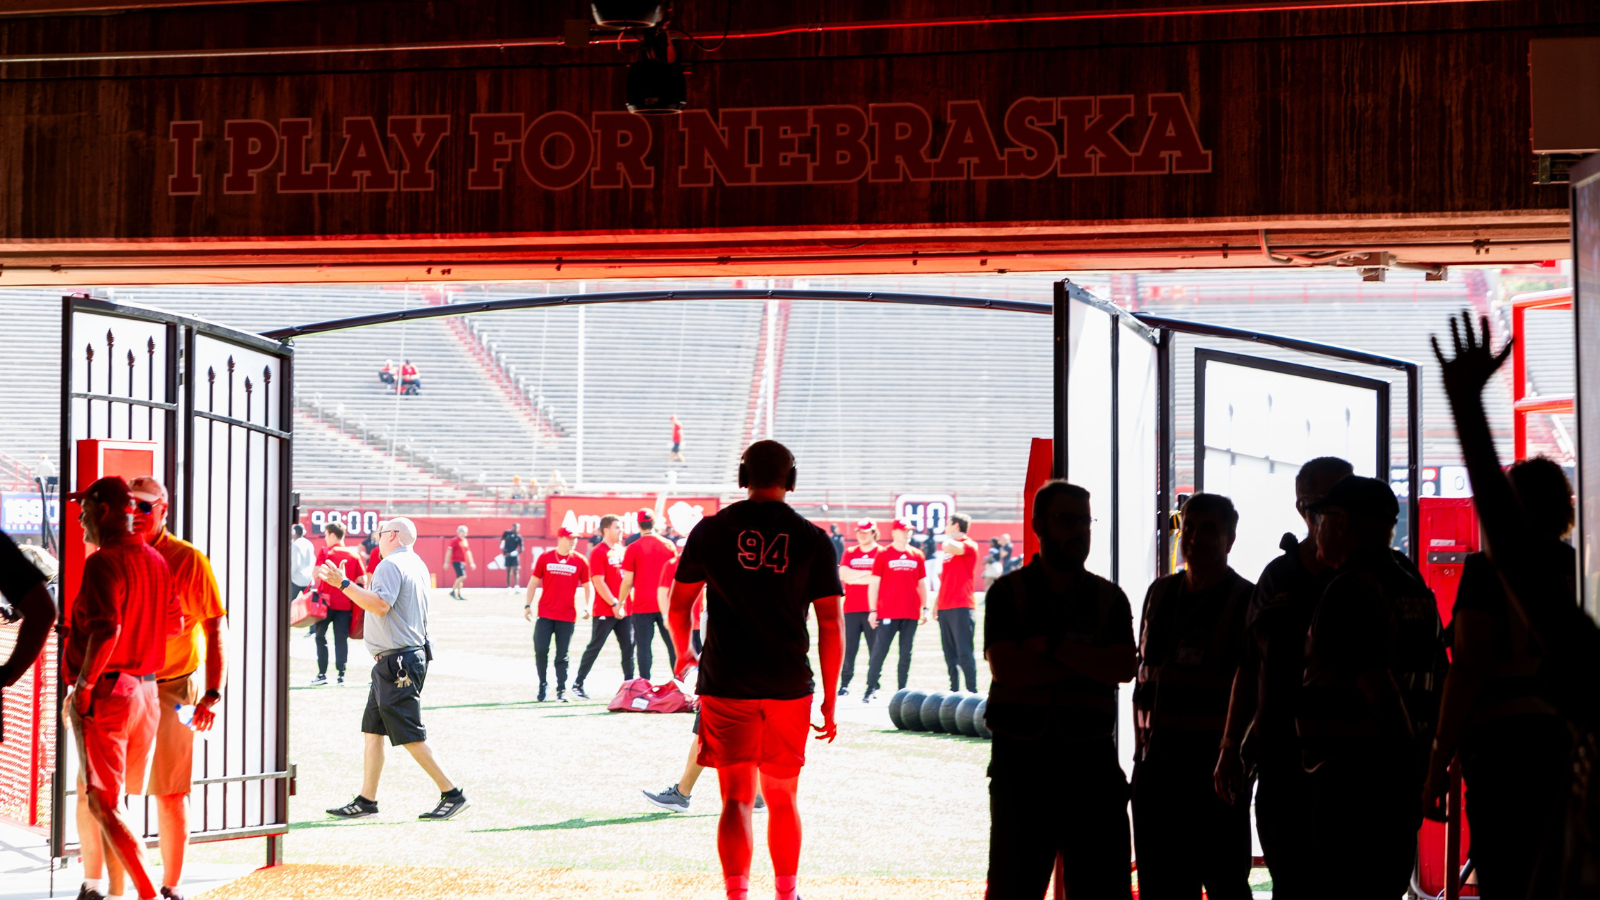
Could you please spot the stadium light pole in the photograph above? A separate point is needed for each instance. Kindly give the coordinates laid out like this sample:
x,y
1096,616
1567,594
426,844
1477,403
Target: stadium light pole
x,y
577,463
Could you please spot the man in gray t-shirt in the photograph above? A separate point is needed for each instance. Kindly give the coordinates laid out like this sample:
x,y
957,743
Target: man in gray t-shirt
x,y
397,637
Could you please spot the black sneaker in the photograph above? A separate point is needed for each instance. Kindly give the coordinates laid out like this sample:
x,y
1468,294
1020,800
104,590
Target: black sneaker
x,y
358,808
319,681
577,691
448,806
541,696
761,803
561,696
670,799
88,893
169,893
844,692
867,697
341,679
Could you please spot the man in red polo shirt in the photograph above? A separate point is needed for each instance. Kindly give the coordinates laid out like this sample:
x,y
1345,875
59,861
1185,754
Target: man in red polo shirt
x,y
897,600
855,571
641,573
559,576
341,612
117,631
605,576
958,612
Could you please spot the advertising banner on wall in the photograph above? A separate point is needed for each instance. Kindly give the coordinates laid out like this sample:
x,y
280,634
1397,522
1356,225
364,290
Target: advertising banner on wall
x,y
582,515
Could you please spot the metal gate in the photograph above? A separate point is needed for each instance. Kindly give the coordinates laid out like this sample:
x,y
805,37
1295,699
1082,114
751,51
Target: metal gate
x,y
214,406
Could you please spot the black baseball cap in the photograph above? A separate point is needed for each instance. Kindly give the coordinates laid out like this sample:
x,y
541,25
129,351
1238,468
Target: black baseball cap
x,y
1362,497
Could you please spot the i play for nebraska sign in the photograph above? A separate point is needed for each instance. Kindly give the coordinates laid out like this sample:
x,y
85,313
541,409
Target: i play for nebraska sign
x,y
1034,137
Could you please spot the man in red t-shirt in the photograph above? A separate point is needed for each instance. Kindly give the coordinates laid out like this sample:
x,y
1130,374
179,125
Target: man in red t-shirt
x,y
605,576
458,553
641,573
559,577
897,600
696,615
116,641
341,612
855,570
677,441
958,612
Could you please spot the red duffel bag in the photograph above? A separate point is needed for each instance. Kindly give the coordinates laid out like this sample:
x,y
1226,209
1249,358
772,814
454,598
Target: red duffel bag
x,y
639,695
307,609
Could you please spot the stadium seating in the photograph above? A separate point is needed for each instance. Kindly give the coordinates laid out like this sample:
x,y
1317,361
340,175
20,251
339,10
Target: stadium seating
x,y
878,399
642,364
875,399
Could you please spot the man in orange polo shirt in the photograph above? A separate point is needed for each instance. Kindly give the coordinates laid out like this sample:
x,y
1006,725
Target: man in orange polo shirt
x,y
116,641
201,639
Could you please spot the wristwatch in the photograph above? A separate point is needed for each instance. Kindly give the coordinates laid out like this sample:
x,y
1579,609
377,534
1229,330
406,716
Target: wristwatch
x,y
527,606
211,695
344,584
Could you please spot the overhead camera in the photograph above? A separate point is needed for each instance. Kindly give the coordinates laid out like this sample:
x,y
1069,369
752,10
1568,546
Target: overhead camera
x,y
623,14
656,83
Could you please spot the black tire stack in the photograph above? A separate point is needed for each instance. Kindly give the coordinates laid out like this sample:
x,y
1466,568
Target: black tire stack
x,y
940,712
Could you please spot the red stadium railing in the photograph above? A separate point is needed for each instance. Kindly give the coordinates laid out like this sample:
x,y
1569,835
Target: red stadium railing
x,y
27,755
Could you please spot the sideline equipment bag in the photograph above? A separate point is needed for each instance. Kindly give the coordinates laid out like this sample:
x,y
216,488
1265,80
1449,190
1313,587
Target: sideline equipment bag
x,y
639,695
306,609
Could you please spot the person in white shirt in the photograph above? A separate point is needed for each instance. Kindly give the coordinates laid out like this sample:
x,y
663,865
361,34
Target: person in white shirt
x,y
302,562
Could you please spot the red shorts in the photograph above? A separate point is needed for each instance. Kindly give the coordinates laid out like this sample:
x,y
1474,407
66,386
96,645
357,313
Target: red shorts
x,y
117,733
770,733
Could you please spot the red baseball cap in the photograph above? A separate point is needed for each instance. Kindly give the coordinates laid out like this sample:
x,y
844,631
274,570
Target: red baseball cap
x,y
645,517
110,491
564,531
866,525
903,525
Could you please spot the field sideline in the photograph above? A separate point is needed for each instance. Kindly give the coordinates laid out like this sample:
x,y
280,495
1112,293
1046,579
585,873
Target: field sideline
x,y
556,786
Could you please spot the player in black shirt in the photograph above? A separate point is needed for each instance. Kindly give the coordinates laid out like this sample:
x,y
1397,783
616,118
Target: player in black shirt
x,y
763,567
1191,638
511,546
1266,690
1374,658
1059,639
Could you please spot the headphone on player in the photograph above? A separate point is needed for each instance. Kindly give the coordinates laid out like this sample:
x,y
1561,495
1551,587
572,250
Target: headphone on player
x,y
744,472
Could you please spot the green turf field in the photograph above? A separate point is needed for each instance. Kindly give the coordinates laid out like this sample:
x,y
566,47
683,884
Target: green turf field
x,y
557,785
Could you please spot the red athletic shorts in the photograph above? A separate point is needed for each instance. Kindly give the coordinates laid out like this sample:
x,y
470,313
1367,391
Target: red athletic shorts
x,y
118,732
770,733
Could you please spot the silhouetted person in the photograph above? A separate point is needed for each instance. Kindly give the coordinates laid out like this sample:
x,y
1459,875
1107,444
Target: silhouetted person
x,y
1267,687
1538,576
1059,640
23,595
1191,640
1514,747
1368,700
